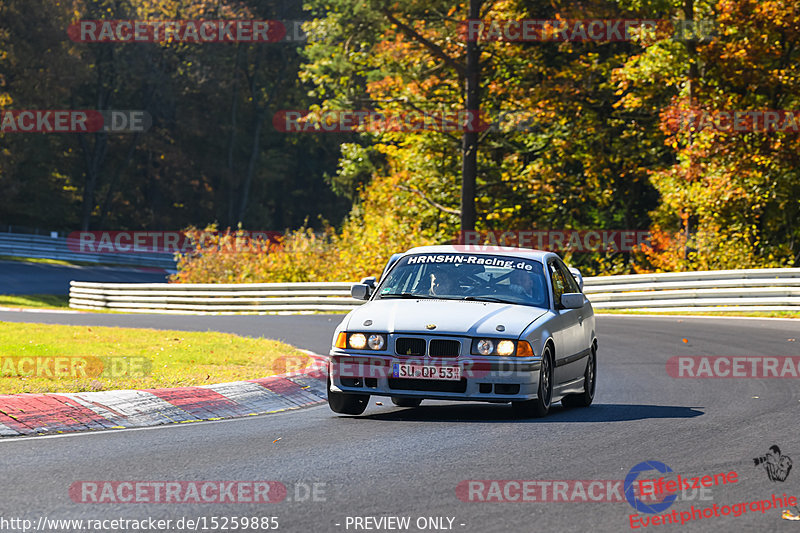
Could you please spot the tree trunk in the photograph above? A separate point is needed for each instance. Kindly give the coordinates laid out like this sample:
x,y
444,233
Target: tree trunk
x,y
469,142
251,165
230,171
106,77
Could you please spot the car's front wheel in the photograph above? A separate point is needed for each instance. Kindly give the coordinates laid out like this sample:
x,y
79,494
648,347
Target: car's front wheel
x,y
406,402
346,403
541,405
585,398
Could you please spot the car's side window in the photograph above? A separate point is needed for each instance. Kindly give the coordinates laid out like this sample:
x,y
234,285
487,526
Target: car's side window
x,y
557,279
571,285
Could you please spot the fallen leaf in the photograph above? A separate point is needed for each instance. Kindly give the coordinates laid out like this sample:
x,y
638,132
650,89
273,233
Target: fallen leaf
x,y
378,403
686,341
276,440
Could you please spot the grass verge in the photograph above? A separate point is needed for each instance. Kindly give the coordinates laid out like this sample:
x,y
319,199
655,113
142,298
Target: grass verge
x,y
761,314
47,261
63,262
37,301
55,358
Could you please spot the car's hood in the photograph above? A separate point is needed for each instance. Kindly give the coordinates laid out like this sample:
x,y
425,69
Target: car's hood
x,y
451,317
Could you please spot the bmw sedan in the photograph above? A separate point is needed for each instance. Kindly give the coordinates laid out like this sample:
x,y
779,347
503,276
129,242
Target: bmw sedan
x,y
468,323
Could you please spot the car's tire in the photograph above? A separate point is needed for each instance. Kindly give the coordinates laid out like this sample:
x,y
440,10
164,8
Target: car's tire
x,y
346,403
541,405
406,402
585,398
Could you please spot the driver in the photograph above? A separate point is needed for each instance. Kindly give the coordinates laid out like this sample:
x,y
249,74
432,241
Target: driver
x,y
441,283
521,283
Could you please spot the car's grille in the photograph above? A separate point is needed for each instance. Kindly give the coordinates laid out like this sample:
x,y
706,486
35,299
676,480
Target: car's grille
x,y
444,348
430,385
409,346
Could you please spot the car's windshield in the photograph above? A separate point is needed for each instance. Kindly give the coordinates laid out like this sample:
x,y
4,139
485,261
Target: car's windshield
x,y
467,277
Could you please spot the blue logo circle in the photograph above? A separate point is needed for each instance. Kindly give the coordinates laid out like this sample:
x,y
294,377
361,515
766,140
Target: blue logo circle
x,y
630,481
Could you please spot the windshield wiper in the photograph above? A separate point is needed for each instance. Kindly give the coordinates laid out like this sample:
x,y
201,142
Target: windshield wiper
x,y
489,299
419,296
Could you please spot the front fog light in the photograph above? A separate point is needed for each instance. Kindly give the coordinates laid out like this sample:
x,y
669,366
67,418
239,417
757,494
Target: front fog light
x,y
485,347
376,342
505,347
358,341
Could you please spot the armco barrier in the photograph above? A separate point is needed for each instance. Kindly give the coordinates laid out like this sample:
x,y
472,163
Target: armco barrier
x,y
43,247
720,290
760,289
205,298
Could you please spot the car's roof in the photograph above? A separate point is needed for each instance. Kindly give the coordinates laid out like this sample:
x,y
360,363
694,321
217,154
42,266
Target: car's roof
x,y
480,249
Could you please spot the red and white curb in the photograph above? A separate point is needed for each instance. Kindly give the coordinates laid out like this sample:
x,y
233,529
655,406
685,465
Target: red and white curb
x,y
43,414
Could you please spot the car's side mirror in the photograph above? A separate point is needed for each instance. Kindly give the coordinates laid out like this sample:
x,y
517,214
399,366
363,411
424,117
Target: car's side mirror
x,y
572,300
360,291
578,277
370,281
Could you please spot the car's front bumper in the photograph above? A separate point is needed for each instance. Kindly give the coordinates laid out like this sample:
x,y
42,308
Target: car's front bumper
x,y
482,379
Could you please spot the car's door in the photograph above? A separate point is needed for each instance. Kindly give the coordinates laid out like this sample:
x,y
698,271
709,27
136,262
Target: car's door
x,y
568,333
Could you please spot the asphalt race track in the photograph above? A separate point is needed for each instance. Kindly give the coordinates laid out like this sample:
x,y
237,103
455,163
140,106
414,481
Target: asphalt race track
x,y
17,277
408,462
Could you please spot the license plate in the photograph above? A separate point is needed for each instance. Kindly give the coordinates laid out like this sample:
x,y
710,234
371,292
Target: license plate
x,y
416,371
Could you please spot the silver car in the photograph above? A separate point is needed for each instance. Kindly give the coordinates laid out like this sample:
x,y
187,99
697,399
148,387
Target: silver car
x,y
491,324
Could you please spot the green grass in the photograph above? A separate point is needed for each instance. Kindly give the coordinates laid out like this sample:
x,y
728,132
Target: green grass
x,y
50,301
761,314
126,358
45,261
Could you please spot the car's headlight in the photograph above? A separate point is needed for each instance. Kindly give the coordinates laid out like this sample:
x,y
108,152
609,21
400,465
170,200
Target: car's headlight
x,y
361,341
485,346
357,341
376,342
505,348
501,347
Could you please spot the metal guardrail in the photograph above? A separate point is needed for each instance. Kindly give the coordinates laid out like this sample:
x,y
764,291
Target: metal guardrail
x,y
61,248
762,289
205,298
721,290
